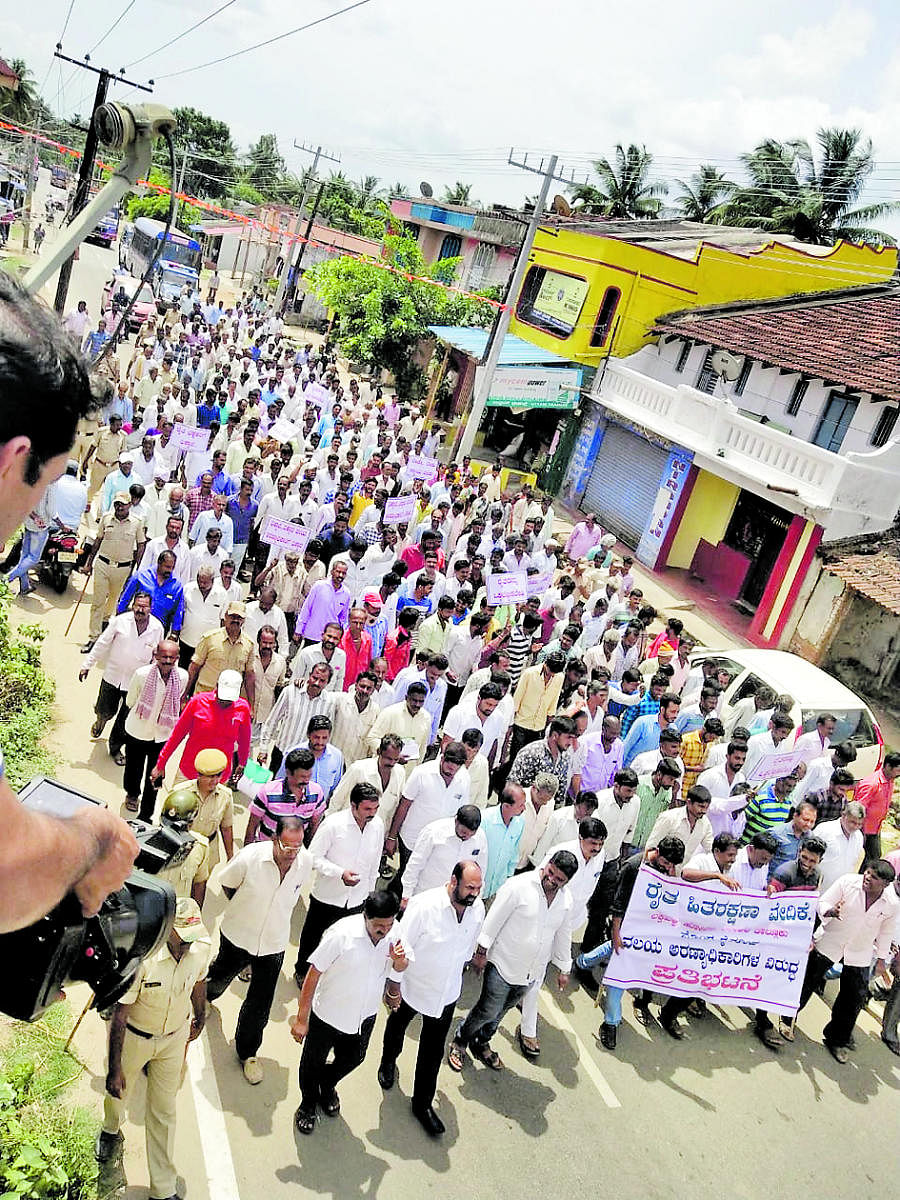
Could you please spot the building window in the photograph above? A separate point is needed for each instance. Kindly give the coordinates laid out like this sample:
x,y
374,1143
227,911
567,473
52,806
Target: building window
x,y
683,355
796,400
552,301
482,265
603,324
836,418
884,427
741,382
450,246
706,380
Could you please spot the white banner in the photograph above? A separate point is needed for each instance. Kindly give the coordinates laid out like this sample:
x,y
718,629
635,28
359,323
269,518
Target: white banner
x,y
187,438
694,939
774,765
420,467
284,535
282,430
508,587
317,395
402,508
538,584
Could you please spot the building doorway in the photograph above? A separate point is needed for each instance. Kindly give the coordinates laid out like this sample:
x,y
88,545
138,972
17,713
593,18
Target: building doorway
x,y
757,529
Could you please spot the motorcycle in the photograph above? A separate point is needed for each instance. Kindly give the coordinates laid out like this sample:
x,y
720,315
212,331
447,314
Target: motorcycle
x,y
59,559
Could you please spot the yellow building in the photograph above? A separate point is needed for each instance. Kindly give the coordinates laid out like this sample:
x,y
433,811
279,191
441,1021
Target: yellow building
x,y
595,289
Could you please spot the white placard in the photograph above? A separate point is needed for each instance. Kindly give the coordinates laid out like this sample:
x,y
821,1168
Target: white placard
x,y
284,535
538,584
188,439
509,587
400,509
420,467
316,394
282,430
775,765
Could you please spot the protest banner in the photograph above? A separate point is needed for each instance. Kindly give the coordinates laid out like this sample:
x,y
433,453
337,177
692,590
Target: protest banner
x,y
315,394
401,509
774,765
696,939
282,430
187,438
538,584
420,467
284,535
509,587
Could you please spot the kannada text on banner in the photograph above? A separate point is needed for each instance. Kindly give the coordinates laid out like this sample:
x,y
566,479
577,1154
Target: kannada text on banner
x,y
693,939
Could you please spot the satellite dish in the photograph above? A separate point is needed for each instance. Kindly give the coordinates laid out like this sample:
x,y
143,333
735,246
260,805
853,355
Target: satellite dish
x,y
726,365
426,189
562,206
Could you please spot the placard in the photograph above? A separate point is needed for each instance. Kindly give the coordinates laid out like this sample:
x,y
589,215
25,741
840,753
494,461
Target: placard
x,y
188,439
695,939
509,587
315,393
401,509
284,535
282,430
420,467
776,764
536,585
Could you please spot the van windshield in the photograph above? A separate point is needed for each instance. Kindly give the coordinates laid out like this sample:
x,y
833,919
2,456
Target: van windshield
x,y
853,725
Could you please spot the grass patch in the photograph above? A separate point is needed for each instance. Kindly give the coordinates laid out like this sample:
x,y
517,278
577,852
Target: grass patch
x,y
26,698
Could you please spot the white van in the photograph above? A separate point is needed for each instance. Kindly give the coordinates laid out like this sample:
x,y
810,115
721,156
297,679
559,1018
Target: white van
x,y
814,692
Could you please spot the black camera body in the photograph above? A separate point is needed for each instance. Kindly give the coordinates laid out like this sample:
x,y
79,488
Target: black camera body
x,y
104,951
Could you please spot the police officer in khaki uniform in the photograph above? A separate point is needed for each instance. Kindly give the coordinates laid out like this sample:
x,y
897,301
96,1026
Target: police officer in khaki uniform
x,y
85,437
109,443
119,540
179,809
163,1010
206,807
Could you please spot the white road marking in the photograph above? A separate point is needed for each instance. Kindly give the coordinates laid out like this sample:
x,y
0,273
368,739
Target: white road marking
x,y
214,1143
558,1018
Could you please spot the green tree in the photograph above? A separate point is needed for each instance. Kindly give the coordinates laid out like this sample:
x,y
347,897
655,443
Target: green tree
x,y
20,106
210,166
399,191
156,204
382,315
703,196
625,189
460,193
265,165
793,190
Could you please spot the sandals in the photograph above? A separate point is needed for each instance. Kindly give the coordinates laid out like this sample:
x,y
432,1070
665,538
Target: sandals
x,y
489,1057
304,1122
786,1029
530,1047
132,806
456,1056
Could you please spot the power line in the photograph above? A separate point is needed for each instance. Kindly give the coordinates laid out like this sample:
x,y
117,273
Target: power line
x,y
172,41
59,43
128,7
268,42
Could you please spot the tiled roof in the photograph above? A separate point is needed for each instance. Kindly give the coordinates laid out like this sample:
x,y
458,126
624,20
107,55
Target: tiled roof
x,y
870,565
851,337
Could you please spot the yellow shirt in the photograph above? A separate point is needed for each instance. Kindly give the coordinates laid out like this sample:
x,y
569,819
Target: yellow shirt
x,y
535,699
160,994
358,505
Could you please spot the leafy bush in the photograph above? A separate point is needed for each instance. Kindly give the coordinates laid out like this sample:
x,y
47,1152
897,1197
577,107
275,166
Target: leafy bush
x,y
26,697
46,1143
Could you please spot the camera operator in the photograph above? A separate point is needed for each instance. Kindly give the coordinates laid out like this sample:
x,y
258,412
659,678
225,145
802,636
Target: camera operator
x,y
44,391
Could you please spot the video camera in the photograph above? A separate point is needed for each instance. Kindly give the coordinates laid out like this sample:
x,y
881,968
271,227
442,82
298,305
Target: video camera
x,y
104,951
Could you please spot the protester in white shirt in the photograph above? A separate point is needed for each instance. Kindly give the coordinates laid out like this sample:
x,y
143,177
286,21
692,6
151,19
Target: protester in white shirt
x,y
433,790
440,846
843,839
153,711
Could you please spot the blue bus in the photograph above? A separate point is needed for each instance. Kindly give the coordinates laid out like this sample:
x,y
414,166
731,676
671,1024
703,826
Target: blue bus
x,y
178,264
106,230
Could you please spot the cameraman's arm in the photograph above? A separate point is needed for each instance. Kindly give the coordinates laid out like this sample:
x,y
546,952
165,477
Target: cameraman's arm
x,y
42,858
115,1080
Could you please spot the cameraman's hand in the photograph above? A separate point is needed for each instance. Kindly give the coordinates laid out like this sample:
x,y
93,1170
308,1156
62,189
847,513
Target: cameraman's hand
x,y
116,850
115,1084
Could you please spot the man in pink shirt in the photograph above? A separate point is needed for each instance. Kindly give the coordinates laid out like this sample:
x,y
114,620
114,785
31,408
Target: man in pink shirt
x,y
875,793
217,720
587,533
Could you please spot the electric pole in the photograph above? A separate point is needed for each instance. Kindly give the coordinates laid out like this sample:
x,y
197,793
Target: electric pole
x,y
484,375
317,154
86,171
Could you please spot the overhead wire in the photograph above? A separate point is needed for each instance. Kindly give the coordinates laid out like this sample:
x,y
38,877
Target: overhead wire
x,y
172,41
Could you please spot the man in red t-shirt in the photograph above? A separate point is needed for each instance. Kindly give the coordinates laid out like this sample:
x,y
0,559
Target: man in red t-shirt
x,y
217,720
875,793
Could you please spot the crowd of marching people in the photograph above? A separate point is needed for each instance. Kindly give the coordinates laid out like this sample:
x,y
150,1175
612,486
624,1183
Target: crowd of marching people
x,y
442,783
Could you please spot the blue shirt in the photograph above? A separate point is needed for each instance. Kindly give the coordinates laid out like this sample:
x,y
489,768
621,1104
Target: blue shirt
x,y
378,631
327,770
233,486
788,845
642,737
207,413
242,520
166,598
647,705
503,848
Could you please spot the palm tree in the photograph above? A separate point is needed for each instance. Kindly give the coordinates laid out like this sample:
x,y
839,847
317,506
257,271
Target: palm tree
x,y
791,192
625,189
703,195
20,105
399,191
460,193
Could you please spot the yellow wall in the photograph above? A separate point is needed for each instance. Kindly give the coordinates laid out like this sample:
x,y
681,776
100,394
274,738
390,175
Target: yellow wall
x,y
653,283
706,516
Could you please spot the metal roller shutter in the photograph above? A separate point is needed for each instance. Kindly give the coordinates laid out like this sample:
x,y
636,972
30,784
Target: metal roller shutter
x,y
624,482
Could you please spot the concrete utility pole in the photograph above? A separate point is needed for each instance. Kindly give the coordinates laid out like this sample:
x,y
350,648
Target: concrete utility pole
x,y
484,374
86,171
317,154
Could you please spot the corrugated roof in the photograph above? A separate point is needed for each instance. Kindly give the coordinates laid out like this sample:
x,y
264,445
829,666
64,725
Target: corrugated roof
x,y
869,564
679,238
850,337
516,351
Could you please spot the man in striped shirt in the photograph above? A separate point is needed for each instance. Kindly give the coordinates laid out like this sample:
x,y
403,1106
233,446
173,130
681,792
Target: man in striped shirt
x,y
289,719
293,796
649,704
771,805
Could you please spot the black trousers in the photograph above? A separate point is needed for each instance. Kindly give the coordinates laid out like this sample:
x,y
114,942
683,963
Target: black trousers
x,y
598,907
318,1077
111,703
319,917
853,992
396,884
454,695
254,1014
140,759
185,654
871,848
432,1041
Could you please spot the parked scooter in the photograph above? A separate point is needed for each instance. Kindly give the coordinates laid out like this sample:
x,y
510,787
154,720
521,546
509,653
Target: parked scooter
x,y
59,559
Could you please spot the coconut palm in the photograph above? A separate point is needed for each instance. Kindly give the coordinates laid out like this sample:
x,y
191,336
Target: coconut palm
x,y
399,191
703,195
20,105
625,189
460,193
811,196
